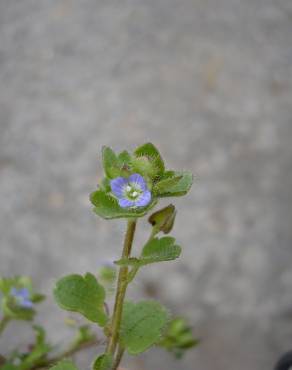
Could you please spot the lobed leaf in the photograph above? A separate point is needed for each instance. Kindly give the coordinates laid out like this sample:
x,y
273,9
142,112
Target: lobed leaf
x,y
158,250
150,154
82,294
106,206
162,186
142,325
110,163
180,187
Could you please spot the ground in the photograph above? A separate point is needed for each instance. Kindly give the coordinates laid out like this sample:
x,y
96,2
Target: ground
x,y
210,83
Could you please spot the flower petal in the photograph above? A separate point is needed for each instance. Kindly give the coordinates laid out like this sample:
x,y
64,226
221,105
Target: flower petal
x,y
24,293
136,178
26,303
125,203
117,185
144,199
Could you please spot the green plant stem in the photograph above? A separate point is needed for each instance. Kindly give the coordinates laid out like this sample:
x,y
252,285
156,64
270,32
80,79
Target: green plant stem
x,y
135,269
118,358
3,323
67,353
121,291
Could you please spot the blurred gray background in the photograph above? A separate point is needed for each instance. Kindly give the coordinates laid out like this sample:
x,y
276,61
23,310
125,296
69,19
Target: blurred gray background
x,y
210,83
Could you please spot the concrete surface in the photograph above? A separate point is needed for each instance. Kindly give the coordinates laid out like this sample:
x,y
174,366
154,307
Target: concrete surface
x,y
209,82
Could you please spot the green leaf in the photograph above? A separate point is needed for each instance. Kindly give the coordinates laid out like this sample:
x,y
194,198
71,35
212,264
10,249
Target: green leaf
x,y
37,354
103,362
163,219
178,337
110,162
124,158
148,160
106,206
158,250
64,365
9,367
10,307
142,325
179,188
37,298
82,294
162,186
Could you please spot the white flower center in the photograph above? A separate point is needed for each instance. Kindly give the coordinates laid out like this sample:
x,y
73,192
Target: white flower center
x,y
132,191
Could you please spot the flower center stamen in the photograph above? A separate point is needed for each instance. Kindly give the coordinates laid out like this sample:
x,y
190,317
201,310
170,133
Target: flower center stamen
x,y
132,192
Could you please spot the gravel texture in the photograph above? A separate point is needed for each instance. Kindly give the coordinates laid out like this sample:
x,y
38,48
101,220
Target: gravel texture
x,y
210,83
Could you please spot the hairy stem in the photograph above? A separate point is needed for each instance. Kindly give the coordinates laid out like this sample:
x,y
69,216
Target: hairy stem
x,y
121,292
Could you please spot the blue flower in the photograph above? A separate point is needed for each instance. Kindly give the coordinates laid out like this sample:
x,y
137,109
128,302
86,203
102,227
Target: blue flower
x,y
131,191
22,297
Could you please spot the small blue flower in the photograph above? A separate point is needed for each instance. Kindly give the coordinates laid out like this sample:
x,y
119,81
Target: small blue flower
x,y
22,297
131,191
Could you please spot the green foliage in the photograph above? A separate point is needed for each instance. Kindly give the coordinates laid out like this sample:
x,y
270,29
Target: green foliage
x,y
64,365
36,356
107,275
103,362
9,305
142,325
163,220
164,185
147,161
150,160
178,337
156,250
8,367
82,294
39,351
106,206
115,166
134,326
175,186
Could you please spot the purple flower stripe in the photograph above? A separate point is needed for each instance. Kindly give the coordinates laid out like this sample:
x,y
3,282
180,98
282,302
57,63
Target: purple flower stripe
x,y
124,203
131,191
118,185
144,199
139,180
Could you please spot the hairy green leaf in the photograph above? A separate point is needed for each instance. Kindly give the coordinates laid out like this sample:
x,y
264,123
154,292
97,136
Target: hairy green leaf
x,y
158,250
148,159
110,163
106,206
162,186
82,294
179,188
178,337
142,325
